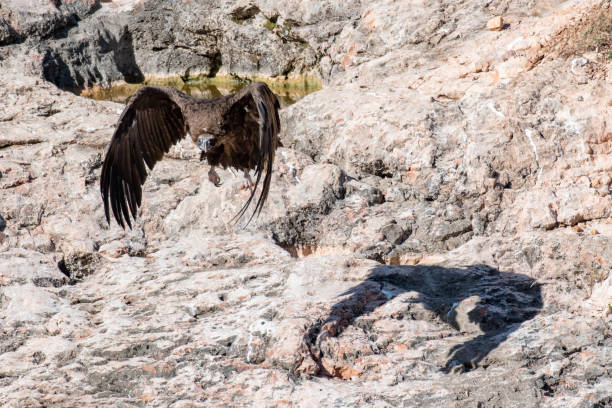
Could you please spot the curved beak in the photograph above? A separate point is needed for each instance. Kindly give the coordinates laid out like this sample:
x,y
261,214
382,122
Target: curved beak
x,y
206,143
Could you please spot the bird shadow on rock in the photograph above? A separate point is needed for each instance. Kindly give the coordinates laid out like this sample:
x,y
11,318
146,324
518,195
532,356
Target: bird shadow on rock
x,y
480,302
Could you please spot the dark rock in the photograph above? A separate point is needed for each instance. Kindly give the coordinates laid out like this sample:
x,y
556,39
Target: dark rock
x,y
7,33
371,194
38,19
77,265
394,233
96,53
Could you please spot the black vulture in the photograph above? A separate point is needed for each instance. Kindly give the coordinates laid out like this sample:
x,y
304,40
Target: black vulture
x,y
239,130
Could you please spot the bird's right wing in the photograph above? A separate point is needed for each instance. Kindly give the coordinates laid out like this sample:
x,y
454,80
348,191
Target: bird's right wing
x,y
150,124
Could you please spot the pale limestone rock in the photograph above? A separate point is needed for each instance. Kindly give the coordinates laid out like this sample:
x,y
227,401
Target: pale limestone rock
x,y
28,303
483,182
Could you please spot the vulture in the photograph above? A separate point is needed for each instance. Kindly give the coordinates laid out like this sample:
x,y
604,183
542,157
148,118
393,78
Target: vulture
x,y
239,131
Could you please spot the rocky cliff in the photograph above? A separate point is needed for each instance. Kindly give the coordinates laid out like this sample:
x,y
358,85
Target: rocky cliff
x,y
438,232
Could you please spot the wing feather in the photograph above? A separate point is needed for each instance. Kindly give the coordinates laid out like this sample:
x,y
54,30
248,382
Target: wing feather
x,y
150,124
266,135
148,145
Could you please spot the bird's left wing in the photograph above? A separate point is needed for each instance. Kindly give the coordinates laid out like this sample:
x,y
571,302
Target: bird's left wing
x,y
150,124
258,101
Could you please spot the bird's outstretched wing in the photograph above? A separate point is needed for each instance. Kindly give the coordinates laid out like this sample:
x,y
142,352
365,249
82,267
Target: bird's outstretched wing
x,y
149,125
258,127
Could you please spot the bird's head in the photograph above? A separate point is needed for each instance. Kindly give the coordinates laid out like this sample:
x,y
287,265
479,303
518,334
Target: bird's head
x,y
206,142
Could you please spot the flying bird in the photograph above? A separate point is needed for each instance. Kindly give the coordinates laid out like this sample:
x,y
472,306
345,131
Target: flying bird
x,y
239,131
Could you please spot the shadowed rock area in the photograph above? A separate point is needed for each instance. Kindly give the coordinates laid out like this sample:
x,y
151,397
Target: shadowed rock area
x,y
474,300
438,232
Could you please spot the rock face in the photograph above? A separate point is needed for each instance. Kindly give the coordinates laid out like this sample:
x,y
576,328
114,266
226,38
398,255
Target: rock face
x,y
39,19
438,231
162,38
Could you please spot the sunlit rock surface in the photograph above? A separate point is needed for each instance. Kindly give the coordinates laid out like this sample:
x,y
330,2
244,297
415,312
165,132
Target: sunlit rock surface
x,y
438,231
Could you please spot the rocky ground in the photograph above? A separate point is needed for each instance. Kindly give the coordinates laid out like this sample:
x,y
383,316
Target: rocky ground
x,y
438,233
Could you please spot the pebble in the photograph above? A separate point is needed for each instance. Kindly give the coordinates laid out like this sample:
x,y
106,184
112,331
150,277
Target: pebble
x,y
495,24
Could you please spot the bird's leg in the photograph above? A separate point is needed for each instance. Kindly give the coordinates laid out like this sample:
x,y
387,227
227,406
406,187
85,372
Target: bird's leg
x,y
214,177
248,181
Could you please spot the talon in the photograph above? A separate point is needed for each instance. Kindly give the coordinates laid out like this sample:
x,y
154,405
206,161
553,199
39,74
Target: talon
x,y
248,182
214,177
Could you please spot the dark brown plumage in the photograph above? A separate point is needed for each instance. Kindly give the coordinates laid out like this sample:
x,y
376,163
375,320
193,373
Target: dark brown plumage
x,y
238,130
